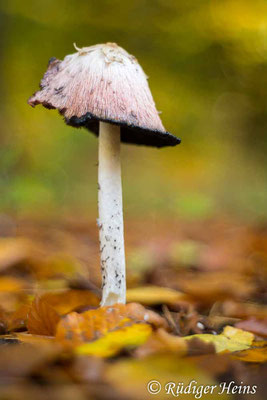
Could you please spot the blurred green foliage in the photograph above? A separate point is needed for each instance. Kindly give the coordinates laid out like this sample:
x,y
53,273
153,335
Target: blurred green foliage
x,y
207,66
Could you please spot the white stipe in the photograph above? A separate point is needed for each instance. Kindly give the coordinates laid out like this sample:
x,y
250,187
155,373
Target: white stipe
x,y
110,222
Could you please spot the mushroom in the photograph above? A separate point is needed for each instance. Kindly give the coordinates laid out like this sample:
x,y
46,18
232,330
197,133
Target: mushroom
x,y
104,89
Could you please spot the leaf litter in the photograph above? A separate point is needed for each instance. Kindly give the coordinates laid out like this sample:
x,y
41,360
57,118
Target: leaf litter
x,y
197,312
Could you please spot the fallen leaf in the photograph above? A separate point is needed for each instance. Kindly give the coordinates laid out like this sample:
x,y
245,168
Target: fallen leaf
x,y
125,337
42,318
152,295
65,301
254,354
75,329
231,339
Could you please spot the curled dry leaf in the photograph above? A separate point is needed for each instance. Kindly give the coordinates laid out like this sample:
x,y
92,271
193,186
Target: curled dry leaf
x,y
75,329
42,318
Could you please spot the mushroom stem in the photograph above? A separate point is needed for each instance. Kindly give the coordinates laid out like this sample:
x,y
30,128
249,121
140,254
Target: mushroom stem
x,y
111,216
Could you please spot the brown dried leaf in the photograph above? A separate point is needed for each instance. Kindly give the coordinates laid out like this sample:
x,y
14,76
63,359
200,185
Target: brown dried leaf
x,y
42,318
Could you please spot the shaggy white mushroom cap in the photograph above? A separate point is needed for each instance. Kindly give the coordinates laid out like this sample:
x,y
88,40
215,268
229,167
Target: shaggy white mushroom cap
x,y
103,83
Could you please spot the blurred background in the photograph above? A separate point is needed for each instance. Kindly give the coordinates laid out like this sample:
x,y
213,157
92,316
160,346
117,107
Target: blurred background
x,y
206,62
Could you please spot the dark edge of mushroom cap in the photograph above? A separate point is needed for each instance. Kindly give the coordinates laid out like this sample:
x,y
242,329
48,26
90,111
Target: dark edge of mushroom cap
x,y
129,133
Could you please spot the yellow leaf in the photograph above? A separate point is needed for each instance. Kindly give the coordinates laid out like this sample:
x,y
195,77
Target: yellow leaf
x,y
150,295
109,345
255,354
231,339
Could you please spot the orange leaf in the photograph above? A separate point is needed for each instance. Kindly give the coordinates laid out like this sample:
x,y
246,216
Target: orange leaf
x,y
75,329
67,300
79,328
42,318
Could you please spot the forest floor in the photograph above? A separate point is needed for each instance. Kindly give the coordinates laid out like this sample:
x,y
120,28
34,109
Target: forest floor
x,y
196,312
